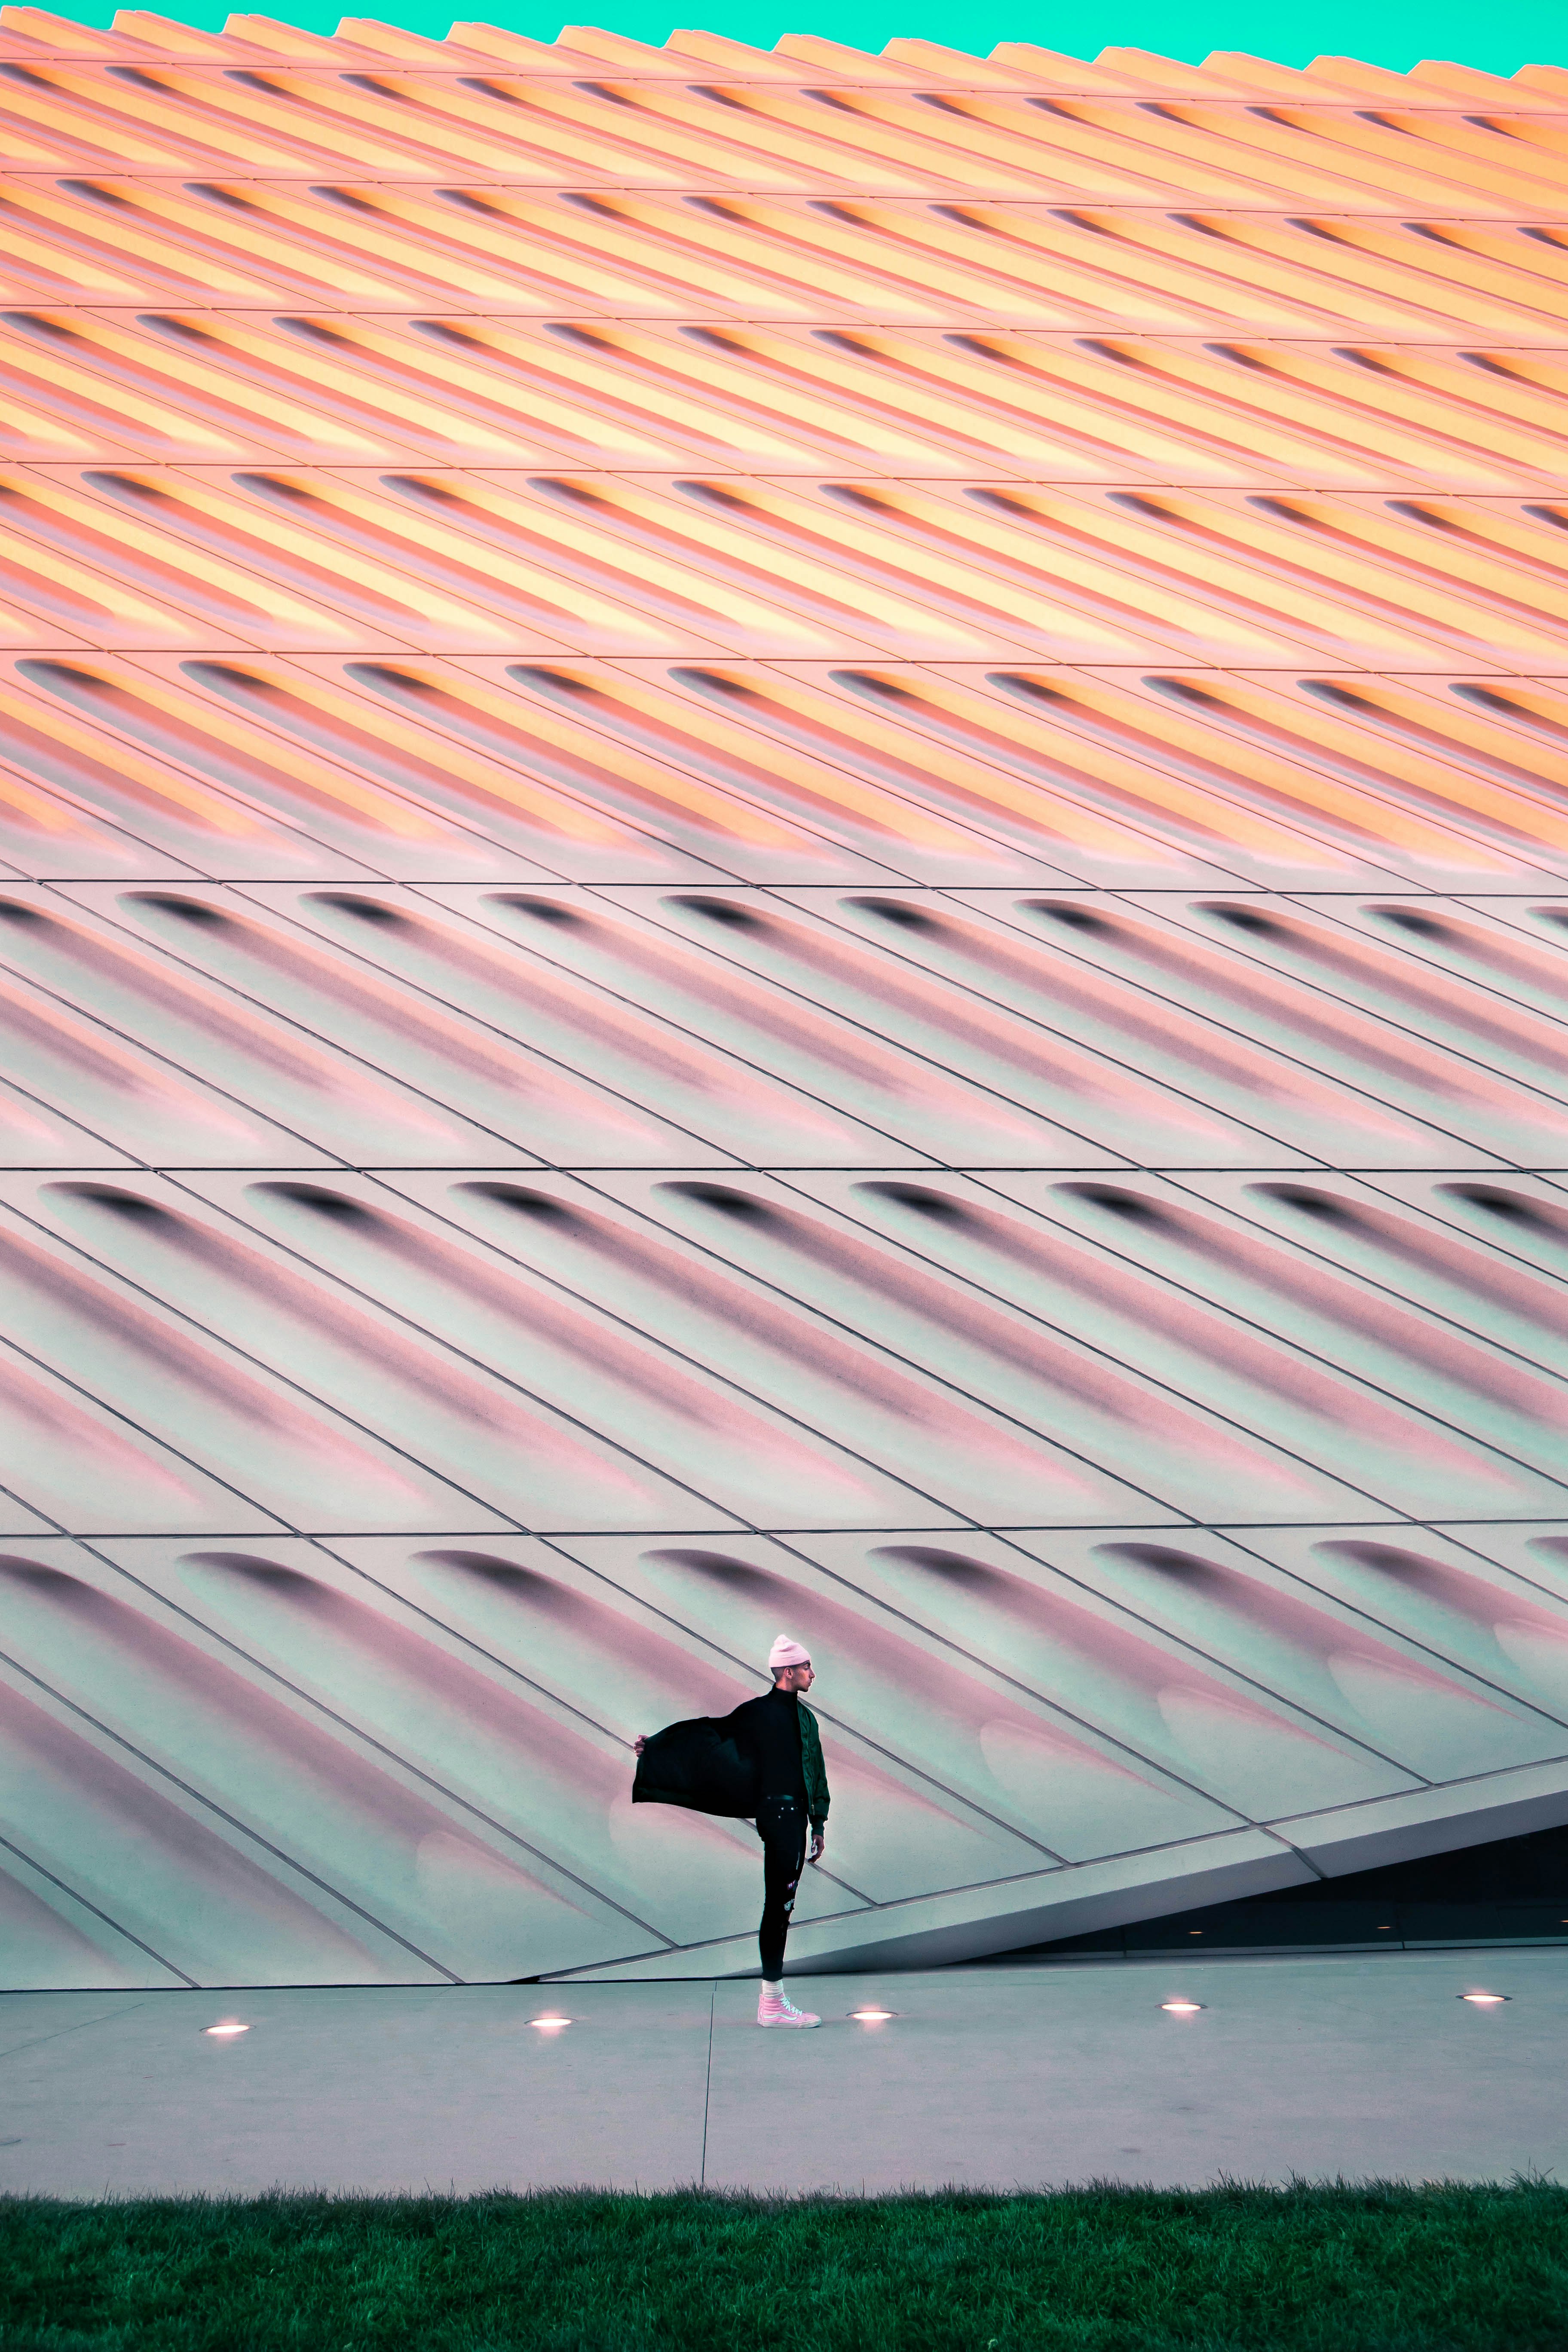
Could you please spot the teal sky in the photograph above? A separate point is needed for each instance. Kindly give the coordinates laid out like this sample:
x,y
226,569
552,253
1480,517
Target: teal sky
x,y
1387,32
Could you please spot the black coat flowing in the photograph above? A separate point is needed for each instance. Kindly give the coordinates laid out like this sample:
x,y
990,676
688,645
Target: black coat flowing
x,y
702,1764
711,1765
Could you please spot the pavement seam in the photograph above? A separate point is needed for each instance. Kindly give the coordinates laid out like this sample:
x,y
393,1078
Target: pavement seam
x,y
105,2017
707,2084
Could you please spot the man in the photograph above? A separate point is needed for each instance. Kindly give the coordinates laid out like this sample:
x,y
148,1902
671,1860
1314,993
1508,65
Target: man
x,y
763,1763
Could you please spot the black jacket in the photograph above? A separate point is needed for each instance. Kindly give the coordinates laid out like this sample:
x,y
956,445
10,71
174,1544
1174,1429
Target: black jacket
x,y
707,1766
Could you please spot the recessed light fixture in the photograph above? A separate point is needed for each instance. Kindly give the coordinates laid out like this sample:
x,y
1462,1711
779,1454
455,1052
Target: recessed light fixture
x,y
225,2030
550,2024
872,2016
1485,2000
1181,2008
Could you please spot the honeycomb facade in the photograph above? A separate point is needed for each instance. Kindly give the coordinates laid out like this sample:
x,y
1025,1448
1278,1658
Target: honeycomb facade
x,y
784,844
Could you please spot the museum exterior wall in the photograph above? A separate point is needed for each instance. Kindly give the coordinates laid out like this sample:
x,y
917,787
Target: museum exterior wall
x,y
782,846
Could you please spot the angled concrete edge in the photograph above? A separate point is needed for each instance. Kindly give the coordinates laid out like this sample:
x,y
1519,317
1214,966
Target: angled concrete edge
x,y
929,1931
969,1923
1432,1821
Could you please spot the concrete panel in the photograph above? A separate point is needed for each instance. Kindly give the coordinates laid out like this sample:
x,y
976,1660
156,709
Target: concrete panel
x,y
763,867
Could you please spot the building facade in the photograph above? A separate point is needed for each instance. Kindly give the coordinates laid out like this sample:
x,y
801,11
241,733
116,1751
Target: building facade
x,y
783,846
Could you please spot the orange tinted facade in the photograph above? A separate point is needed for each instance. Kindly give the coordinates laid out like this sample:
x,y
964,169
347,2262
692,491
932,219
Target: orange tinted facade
x,y
784,845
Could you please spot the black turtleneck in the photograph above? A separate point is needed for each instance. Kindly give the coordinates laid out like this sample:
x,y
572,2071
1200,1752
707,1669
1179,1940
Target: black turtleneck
x,y
770,1727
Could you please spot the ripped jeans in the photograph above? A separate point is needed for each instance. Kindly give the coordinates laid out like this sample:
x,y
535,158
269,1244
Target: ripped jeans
x,y
781,1825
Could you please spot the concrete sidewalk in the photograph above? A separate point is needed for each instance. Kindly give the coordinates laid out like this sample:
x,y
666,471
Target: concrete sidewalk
x,y
995,2076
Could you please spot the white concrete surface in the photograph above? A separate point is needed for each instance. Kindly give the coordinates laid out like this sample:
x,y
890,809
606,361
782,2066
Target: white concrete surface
x,y
999,2076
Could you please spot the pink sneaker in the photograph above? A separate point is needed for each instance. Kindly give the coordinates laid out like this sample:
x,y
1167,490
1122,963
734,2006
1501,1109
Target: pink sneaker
x,y
773,2008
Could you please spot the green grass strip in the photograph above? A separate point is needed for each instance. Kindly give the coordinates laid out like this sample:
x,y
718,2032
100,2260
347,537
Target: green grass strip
x,y
1377,2268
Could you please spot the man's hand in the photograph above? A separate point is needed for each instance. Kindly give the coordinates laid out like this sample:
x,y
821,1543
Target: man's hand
x,y
639,1743
818,1841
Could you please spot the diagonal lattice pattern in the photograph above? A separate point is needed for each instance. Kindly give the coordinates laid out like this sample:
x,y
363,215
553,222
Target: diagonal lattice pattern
x,y
784,844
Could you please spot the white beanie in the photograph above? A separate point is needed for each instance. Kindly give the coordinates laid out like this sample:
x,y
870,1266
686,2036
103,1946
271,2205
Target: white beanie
x,y
786,1652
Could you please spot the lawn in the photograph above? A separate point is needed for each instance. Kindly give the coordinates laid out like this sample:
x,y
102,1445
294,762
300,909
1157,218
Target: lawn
x,y
1345,2269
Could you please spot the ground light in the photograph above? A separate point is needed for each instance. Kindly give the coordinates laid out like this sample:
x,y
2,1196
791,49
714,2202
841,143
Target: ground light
x,y
1485,2000
225,2030
872,2016
1181,2008
550,2024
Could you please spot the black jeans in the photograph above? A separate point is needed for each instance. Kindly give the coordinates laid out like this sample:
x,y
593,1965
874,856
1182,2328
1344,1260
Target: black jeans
x,y
781,1825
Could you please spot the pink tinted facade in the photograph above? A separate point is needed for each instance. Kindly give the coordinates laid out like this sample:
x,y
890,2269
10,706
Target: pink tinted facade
x,y
781,845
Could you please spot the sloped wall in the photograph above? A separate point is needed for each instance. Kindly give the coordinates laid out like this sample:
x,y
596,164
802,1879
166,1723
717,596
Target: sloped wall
x,y
783,846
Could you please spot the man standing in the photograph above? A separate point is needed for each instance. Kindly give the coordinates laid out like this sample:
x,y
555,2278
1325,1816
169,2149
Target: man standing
x,y
762,1763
